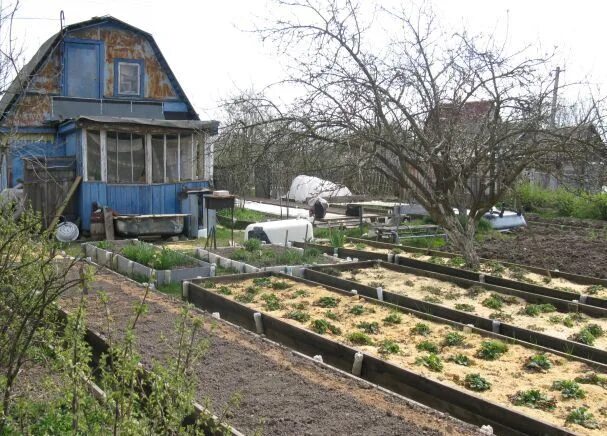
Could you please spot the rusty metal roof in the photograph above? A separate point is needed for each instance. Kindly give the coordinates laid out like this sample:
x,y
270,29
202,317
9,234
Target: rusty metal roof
x,y
21,81
210,126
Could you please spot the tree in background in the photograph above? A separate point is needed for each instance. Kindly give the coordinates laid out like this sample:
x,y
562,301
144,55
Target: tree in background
x,y
450,118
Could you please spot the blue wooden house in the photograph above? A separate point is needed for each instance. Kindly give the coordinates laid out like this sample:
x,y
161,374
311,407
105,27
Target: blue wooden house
x,y
101,92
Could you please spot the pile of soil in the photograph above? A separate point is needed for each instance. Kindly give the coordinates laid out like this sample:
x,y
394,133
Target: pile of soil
x,y
282,393
577,250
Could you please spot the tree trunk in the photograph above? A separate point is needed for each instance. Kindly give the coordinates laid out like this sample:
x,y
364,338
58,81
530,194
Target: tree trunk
x,y
462,239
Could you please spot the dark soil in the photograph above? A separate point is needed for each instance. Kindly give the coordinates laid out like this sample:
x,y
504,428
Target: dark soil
x,y
577,250
282,393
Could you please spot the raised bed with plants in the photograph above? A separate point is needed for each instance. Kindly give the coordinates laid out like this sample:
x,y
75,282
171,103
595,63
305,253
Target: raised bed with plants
x,y
475,375
142,261
254,256
581,329
242,217
587,290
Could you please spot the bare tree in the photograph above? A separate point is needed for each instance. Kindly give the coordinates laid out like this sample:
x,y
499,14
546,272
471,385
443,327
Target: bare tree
x,y
450,118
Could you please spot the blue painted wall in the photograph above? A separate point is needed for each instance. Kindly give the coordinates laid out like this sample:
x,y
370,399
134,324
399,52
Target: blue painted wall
x,y
132,199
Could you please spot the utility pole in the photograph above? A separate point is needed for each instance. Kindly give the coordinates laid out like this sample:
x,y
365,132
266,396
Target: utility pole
x,y
555,92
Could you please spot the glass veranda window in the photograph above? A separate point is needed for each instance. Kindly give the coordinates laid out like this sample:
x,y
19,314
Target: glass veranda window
x,y
93,155
125,158
129,75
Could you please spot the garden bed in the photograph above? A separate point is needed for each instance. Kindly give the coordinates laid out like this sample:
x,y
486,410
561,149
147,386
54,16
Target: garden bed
x,y
417,343
550,316
280,392
254,256
142,261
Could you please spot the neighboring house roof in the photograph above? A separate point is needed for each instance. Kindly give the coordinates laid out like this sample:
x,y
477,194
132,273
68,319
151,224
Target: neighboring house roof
x,y
208,126
19,84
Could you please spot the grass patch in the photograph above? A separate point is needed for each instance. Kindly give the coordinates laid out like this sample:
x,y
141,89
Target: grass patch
x,y
537,309
153,257
360,338
171,289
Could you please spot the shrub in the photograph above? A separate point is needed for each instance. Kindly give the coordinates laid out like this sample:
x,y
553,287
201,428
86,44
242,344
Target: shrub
x,y
464,307
224,290
281,285
453,339
534,399
592,378
421,329
321,326
332,315
584,336
252,245
595,330
427,346
491,350
477,383
357,309
369,327
493,303
327,302
393,318
538,362
536,309
298,315
431,361
594,289
262,281
388,347
338,238
460,359
272,302
360,338
569,389
581,416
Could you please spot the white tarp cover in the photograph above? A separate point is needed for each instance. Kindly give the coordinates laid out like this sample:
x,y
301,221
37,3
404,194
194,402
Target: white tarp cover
x,y
305,187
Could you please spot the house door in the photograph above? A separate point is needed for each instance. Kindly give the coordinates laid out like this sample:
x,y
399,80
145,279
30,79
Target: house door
x,y
82,69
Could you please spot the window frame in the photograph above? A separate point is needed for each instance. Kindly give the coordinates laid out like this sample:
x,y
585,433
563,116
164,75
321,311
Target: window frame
x,y
140,65
193,142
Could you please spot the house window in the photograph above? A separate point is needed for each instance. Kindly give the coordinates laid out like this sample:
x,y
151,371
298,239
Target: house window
x,y
93,155
125,158
173,158
128,78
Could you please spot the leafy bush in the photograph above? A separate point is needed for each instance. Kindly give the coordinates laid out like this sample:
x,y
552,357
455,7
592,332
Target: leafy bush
x,y
224,290
534,399
538,362
454,339
272,302
388,347
431,361
262,281
584,336
581,416
327,302
393,318
460,359
298,315
595,330
477,383
420,329
427,346
491,350
252,245
332,315
249,294
493,303
569,389
360,338
357,309
369,327
464,307
321,326
281,285
592,378
536,309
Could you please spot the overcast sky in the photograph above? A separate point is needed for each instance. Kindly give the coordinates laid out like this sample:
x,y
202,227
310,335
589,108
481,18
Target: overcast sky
x,y
213,58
